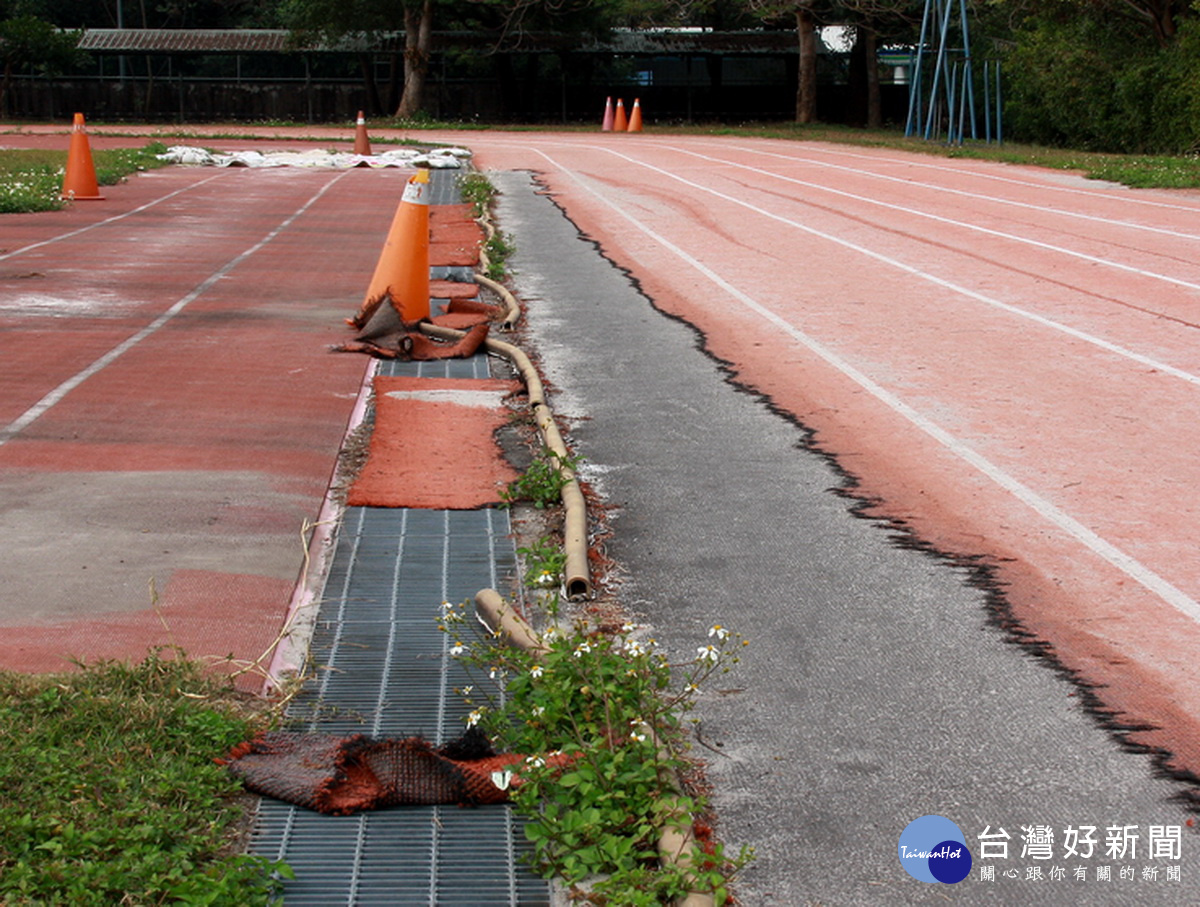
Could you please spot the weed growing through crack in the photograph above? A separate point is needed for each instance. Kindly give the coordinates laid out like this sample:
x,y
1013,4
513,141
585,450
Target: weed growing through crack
x,y
477,191
542,483
598,715
109,793
545,562
498,248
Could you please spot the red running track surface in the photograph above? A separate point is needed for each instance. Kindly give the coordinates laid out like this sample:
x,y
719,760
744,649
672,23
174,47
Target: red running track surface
x,y
1006,359
171,413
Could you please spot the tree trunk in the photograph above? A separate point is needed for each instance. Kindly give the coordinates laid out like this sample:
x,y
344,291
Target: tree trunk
x,y
806,89
874,100
1164,24
366,62
418,33
8,68
394,87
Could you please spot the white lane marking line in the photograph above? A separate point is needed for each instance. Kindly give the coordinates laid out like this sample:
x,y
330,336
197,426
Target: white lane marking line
x,y
930,278
1117,194
915,212
1126,563
107,220
473,398
53,397
946,190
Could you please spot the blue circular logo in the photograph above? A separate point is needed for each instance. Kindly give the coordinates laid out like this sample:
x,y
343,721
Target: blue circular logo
x,y
933,849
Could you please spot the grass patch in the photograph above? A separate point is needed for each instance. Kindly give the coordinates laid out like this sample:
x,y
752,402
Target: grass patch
x,y
31,180
109,793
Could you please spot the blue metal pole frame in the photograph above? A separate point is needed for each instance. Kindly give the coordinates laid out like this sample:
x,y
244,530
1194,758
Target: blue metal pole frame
x,y
916,82
939,70
999,108
968,77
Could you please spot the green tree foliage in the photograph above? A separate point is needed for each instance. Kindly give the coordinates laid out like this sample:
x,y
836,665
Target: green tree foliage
x,y
1106,76
159,13
871,20
507,23
28,41
367,20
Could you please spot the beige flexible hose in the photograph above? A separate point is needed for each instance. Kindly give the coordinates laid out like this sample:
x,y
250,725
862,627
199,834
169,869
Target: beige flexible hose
x,y
512,307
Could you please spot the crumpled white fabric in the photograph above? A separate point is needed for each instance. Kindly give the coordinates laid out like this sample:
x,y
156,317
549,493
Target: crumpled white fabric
x,y
437,158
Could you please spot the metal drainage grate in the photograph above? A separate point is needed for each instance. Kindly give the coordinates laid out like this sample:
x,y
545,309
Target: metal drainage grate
x,y
471,367
382,668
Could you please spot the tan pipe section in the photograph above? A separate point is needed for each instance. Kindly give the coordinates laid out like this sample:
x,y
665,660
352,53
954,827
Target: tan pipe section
x,y
676,839
501,620
577,580
512,307
512,310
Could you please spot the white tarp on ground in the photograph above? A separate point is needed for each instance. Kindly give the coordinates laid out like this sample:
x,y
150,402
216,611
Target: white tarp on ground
x,y
438,158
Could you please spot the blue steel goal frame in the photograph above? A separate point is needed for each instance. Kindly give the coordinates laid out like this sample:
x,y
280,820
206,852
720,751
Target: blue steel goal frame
x,y
942,101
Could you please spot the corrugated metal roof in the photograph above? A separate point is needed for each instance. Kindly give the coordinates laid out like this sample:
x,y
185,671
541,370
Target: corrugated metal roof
x,y
185,40
267,40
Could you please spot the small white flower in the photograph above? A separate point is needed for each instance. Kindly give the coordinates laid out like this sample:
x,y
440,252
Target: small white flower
x,y
535,761
473,718
582,648
466,691
447,607
627,627
502,779
538,711
633,647
708,653
537,671
636,736
692,688
547,578
457,649
718,631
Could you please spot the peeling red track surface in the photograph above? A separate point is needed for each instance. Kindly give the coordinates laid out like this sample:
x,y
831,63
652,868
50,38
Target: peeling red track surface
x,y
1006,359
432,444
171,411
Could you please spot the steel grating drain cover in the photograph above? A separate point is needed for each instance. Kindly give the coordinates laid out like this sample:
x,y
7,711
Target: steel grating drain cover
x,y
380,667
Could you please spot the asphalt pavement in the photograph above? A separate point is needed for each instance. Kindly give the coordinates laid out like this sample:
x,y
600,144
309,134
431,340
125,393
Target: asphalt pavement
x,y
878,687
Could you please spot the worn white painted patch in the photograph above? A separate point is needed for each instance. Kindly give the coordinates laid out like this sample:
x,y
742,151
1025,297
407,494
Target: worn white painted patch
x,y
487,399
42,305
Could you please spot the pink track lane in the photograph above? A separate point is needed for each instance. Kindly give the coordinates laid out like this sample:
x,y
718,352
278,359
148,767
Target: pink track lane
x,y
1010,368
194,455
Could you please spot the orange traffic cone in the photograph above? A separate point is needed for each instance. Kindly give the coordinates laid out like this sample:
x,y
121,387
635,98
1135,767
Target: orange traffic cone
x,y
635,116
79,182
620,124
608,116
362,144
402,273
